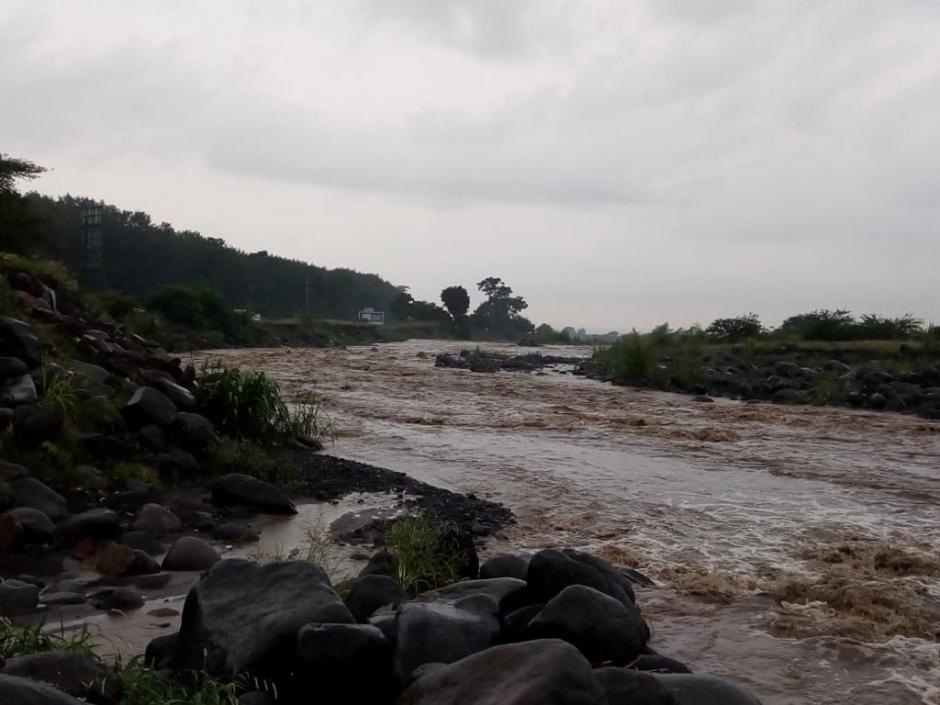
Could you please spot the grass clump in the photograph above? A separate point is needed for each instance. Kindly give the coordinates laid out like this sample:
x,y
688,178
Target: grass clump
x,y
141,685
22,641
232,455
419,544
248,405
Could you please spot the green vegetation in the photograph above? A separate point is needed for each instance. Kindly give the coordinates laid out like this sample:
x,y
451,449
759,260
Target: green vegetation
x,y
417,542
229,455
34,639
141,685
249,406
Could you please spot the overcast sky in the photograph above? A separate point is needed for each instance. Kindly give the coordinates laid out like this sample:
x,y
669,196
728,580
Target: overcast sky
x,y
617,163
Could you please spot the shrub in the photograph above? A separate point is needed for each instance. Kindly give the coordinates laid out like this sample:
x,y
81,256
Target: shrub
x,y
416,542
249,406
25,640
230,455
734,330
141,685
56,390
633,359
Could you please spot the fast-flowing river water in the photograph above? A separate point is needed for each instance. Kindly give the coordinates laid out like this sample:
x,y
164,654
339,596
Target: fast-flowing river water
x,y
795,548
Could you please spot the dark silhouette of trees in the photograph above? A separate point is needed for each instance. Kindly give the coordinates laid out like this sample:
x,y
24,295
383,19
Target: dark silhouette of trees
x,y
456,301
499,315
734,330
20,231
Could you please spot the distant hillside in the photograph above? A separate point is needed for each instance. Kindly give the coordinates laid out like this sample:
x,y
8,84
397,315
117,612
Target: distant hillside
x,y
139,257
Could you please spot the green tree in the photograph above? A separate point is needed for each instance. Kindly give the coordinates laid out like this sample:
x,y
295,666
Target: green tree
x,y
734,330
20,230
456,301
499,314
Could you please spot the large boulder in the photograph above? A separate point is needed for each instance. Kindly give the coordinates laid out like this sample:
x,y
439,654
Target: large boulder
x,y
601,627
235,532
698,689
551,571
194,432
509,593
348,661
18,340
23,691
246,491
368,593
17,597
148,406
156,520
506,566
547,672
12,367
30,492
625,687
18,390
33,425
74,673
190,553
439,632
100,523
242,617
25,526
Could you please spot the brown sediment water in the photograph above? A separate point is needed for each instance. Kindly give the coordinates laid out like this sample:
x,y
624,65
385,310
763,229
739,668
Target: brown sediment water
x,y
795,548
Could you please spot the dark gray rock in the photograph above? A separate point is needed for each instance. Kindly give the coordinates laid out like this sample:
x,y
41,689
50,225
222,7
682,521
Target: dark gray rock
x,y
142,563
256,697
194,432
789,396
121,598
509,593
246,491
33,425
17,598
190,553
15,391
383,562
144,541
11,471
30,492
506,566
661,664
552,571
235,532
160,653
440,633
547,672
12,367
18,340
348,661
98,523
600,626
368,593
626,687
152,438
179,395
23,691
148,406
156,520
27,527
700,689
77,674
61,597
244,617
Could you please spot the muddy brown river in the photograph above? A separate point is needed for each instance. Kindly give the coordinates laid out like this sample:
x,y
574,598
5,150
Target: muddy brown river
x,y
795,548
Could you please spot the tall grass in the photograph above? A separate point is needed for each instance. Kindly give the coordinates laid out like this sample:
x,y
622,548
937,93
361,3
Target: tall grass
x,y
417,542
141,685
34,639
248,405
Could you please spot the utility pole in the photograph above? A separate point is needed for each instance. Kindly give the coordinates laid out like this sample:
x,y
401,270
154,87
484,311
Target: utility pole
x,y
92,259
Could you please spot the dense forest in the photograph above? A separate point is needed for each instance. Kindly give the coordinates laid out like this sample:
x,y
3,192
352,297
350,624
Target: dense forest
x,y
139,257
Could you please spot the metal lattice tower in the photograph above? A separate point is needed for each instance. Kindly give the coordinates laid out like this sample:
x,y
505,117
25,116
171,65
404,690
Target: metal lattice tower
x,y
92,259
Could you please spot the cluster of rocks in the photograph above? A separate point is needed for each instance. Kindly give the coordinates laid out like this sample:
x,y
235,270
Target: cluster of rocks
x,y
832,382
559,627
482,361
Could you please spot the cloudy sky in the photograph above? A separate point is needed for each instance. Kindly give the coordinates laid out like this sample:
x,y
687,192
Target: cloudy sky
x,y
618,163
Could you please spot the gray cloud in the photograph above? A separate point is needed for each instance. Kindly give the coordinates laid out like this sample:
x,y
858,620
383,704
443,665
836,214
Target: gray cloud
x,y
716,141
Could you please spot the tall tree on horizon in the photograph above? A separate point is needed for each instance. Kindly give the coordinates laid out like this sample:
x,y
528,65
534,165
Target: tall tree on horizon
x,y
456,301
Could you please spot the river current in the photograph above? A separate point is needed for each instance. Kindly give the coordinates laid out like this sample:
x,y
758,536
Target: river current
x,y
795,549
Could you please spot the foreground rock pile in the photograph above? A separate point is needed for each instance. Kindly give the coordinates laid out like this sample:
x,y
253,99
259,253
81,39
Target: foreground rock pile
x,y
568,631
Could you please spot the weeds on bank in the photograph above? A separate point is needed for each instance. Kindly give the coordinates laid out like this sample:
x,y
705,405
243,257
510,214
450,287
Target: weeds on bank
x,y
416,541
248,405
58,391
245,457
141,685
22,641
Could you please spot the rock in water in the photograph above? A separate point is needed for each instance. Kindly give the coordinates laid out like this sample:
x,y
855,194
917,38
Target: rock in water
x,y
190,553
244,490
244,617
552,571
625,687
22,691
699,689
547,672
601,627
